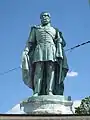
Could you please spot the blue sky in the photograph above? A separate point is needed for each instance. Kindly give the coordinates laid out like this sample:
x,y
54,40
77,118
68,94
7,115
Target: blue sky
x,y
72,17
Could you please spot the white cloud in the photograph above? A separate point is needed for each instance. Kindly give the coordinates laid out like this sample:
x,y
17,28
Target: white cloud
x,y
72,74
16,110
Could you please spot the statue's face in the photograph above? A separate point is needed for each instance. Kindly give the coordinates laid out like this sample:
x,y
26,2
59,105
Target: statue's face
x,y
45,18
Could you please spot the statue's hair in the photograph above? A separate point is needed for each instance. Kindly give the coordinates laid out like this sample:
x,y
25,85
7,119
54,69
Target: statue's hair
x,y
45,12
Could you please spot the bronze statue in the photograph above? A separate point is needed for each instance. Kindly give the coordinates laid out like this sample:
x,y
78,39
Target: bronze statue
x,y
44,63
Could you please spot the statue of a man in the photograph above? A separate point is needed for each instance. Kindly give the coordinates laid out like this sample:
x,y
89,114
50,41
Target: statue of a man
x,y
44,64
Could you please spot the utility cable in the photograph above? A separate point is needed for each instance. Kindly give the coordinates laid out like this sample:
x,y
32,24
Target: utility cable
x,y
70,49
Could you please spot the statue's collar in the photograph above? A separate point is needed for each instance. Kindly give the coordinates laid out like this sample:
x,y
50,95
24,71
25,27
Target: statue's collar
x,y
40,26
46,26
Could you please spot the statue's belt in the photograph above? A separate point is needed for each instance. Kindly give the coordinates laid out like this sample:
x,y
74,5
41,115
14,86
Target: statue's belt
x,y
45,42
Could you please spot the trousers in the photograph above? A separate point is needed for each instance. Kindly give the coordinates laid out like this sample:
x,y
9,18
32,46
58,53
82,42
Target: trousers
x,y
40,68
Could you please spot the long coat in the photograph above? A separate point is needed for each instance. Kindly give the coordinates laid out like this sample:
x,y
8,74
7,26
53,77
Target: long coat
x,y
28,68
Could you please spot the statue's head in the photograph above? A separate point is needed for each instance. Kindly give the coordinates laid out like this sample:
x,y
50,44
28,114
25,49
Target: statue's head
x,y
45,18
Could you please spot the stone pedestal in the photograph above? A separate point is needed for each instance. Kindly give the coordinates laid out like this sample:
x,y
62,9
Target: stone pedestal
x,y
47,104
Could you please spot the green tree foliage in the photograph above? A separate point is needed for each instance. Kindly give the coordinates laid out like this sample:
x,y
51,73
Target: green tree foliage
x,y
84,107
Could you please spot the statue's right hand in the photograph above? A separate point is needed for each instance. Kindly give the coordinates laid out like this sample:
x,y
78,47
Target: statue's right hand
x,y
26,50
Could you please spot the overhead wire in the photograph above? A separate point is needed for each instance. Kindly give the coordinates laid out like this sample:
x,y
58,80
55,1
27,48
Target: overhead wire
x,y
77,46
69,49
10,70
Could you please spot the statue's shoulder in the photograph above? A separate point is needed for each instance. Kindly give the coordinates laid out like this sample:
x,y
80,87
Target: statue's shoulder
x,y
61,35
58,30
35,27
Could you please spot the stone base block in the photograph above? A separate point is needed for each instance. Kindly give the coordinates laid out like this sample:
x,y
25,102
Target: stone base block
x,y
47,104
